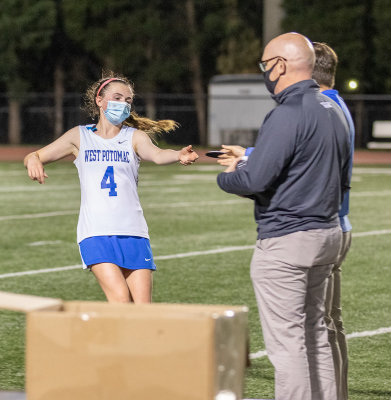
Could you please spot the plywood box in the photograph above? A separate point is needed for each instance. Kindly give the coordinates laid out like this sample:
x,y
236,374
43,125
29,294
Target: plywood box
x,y
101,351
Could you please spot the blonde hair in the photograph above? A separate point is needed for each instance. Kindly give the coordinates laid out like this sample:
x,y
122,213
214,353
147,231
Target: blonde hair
x,y
147,125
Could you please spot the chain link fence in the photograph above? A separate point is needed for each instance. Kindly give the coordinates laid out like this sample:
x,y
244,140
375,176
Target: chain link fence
x,y
37,116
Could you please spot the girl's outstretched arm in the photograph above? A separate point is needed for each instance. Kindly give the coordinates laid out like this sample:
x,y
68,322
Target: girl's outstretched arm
x,y
147,151
64,146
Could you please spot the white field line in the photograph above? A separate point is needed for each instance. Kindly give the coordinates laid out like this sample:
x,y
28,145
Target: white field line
x,y
23,172
38,215
36,188
195,177
166,189
65,171
57,188
374,171
54,187
173,256
205,252
197,204
147,186
371,194
39,271
167,257
179,204
380,331
372,233
207,168
44,243
50,187
150,205
203,168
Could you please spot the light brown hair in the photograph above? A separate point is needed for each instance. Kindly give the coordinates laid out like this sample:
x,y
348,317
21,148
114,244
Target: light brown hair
x,y
326,61
147,125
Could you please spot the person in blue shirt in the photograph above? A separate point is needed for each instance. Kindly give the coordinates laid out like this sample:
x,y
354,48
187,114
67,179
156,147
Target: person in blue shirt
x,y
324,74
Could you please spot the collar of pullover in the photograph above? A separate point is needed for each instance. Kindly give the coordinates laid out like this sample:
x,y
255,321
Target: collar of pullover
x,y
294,89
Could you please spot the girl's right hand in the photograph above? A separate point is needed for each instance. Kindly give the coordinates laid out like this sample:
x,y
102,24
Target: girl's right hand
x,y
35,168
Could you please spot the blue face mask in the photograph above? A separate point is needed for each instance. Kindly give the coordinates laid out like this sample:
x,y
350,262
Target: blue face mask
x,y
117,111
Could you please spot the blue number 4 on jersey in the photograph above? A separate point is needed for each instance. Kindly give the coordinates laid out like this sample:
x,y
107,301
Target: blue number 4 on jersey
x,y
108,181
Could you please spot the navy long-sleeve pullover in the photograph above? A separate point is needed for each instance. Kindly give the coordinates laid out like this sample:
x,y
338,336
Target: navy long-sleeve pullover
x,y
298,170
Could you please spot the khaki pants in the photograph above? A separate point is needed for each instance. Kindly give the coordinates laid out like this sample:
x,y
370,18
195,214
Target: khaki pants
x,y
334,322
289,276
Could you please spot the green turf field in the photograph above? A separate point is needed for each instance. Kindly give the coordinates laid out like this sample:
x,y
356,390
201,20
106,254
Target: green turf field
x,y
186,213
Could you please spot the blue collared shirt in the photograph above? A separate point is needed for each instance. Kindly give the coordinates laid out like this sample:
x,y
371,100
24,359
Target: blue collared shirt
x,y
344,211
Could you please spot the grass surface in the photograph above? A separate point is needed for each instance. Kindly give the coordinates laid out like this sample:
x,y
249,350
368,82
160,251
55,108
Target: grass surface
x,y
187,212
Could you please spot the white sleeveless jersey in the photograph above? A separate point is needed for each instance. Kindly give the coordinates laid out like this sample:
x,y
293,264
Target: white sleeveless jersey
x,y
108,173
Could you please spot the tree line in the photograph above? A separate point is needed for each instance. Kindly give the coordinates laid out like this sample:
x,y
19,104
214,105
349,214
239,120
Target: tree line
x,y
172,46
358,30
162,45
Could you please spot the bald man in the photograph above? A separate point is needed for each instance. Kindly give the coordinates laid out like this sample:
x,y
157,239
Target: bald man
x,y
296,175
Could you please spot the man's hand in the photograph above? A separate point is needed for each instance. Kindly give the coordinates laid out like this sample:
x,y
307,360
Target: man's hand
x,y
232,165
231,153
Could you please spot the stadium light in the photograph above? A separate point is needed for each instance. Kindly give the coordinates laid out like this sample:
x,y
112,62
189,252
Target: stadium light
x,y
352,84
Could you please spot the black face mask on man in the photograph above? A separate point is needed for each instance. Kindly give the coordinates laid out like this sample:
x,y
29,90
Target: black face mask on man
x,y
270,85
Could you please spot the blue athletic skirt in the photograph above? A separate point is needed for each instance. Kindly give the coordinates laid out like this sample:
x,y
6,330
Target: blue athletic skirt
x,y
131,252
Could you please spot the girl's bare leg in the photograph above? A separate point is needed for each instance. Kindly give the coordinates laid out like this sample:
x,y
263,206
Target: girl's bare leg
x,y
140,284
113,282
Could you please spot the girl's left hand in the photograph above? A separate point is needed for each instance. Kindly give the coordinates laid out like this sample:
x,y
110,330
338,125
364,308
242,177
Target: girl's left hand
x,y
187,155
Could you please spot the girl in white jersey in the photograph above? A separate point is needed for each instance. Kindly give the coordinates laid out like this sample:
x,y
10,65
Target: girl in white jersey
x,y
112,232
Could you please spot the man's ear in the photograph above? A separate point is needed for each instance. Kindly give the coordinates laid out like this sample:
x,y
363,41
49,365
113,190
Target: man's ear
x,y
281,67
